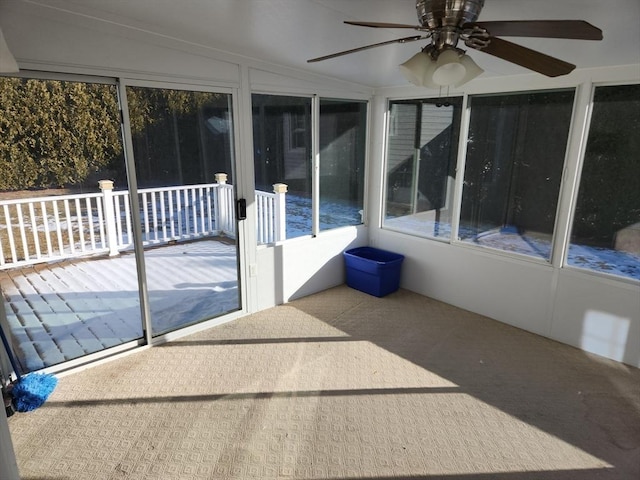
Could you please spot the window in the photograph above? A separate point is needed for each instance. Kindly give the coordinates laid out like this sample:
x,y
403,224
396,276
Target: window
x,y
605,235
342,156
180,137
282,127
282,154
515,156
298,130
421,162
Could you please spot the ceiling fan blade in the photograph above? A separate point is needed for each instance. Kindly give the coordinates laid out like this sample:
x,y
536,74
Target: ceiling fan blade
x,y
527,58
366,47
385,25
576,29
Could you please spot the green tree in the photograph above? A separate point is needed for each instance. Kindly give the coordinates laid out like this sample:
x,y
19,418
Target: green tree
x,y
60,133
55,133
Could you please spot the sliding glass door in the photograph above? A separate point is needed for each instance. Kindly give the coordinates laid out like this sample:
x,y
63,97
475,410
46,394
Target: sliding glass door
x,y
98,252
67,274
184,160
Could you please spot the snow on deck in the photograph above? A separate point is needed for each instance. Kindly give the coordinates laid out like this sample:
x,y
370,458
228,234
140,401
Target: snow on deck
x,y
604,260
61,311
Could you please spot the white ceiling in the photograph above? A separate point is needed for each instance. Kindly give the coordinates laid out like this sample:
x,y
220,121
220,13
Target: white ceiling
x,y
289,32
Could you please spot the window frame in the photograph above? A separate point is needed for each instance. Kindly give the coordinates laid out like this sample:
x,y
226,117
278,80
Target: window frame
x,y
315,154
558,227
391,128
316,145
561,231
563,253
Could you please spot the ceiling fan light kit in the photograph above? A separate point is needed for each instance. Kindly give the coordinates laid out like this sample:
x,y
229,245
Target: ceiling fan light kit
x,y
452,67
446,22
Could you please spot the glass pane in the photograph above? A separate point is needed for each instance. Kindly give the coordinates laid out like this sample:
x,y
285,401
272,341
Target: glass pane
x,y
515,158
282,155
421,162
606,225
69,287
182,142
343,129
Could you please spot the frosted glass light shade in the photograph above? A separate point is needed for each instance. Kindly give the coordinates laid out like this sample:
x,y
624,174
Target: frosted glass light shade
x,y
8,64
472,70
416,68
448,69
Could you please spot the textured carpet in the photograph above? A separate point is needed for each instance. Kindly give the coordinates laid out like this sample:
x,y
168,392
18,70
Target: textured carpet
x,y
342,385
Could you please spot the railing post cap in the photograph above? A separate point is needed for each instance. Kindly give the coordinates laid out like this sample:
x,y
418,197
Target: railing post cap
x,y
220,177
105,184
280,188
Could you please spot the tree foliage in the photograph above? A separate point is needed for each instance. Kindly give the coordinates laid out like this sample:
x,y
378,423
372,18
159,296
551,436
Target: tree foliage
x,y
609,194
59,133
150,105
55,133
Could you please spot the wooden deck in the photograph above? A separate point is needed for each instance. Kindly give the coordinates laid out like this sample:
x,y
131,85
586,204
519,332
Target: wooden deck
x,y
61,311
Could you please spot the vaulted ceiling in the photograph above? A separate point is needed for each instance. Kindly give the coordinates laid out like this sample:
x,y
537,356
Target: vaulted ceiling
x,y
289,32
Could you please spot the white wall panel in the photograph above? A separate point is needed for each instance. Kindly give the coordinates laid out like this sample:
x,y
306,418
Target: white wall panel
x,y
305,265
513,291
49,40
598,315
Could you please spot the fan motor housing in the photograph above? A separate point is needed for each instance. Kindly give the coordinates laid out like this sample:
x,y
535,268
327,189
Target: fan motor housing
x,y
436,14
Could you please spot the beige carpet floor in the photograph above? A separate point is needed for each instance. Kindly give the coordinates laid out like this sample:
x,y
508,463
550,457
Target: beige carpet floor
x,y
342,385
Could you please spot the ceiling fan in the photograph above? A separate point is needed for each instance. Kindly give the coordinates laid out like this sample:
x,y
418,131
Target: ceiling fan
x,y
446,22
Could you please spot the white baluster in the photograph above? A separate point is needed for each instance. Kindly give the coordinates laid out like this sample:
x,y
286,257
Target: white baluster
x,y
280,214
106,186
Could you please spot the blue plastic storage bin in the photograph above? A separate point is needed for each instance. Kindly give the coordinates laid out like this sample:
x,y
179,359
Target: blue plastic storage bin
x,y
373,271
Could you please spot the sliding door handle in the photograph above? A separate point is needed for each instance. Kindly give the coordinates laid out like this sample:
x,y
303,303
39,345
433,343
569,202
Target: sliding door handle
x,y
241,209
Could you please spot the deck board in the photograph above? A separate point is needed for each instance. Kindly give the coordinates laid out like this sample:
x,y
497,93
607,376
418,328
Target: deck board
x,y
64,310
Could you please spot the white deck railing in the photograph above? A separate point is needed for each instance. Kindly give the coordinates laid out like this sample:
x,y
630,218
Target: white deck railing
x,y
271,216
43,229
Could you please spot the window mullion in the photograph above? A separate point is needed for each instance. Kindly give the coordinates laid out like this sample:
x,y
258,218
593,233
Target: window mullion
x,y
416,159
145,309
315,165
571,174
462,155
